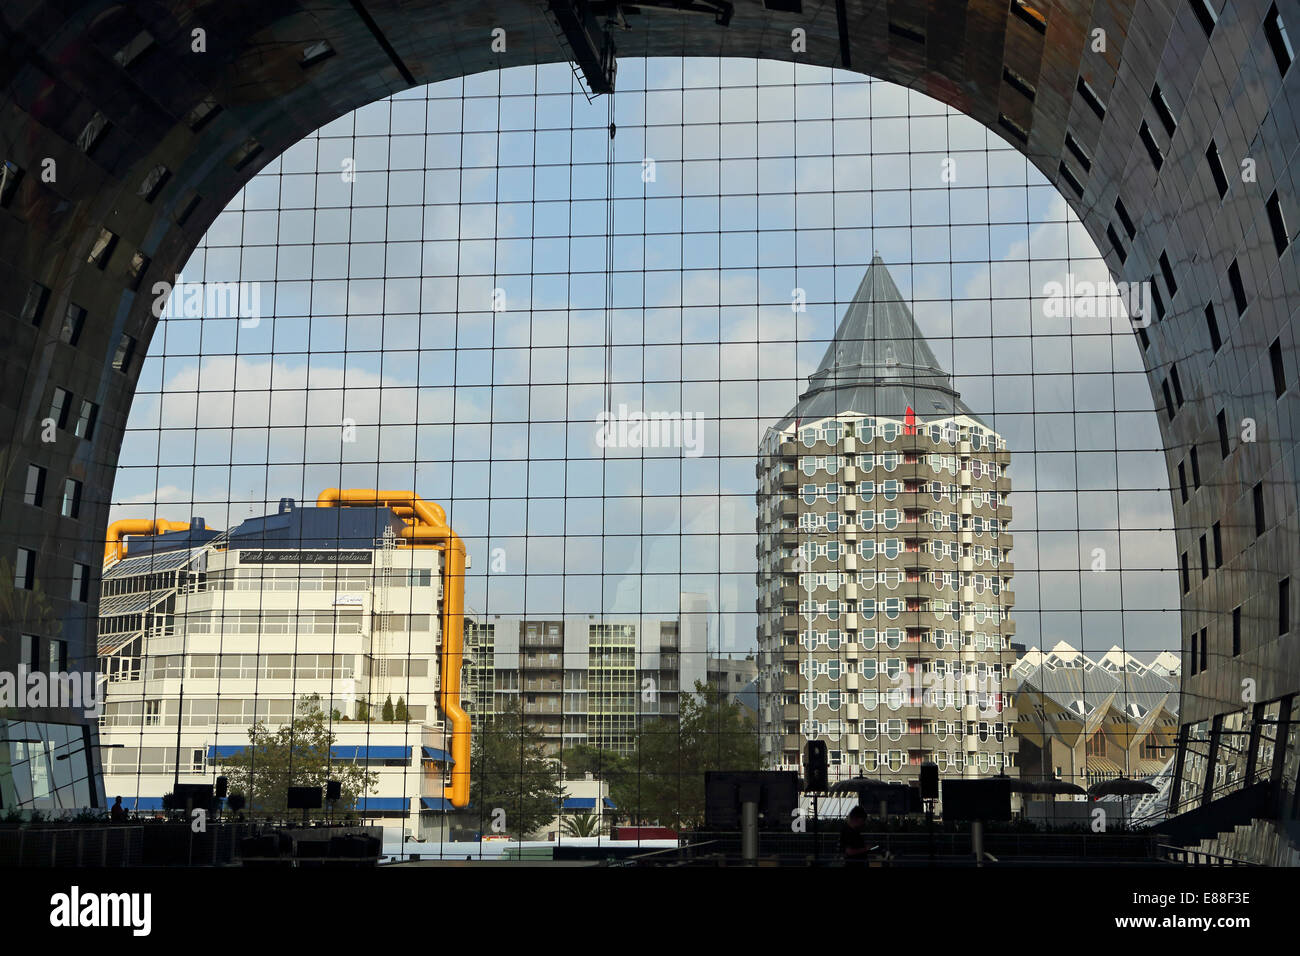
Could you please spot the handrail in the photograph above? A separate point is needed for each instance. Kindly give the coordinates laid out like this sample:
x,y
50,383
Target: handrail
x,y
427,528
1217,792
1180,854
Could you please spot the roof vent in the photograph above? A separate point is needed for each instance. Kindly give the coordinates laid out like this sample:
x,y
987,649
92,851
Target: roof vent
x,y
286,505
197,524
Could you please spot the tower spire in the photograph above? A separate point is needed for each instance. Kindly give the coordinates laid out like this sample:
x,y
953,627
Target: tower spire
x,y
878,362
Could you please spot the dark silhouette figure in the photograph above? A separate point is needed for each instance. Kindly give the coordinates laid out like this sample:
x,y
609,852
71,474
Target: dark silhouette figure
x,y
852,845
118,812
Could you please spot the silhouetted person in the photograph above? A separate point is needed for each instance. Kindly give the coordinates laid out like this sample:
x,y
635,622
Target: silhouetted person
x,y
118,812
852,846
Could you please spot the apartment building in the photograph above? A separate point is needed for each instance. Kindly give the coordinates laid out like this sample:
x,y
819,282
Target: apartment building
x,y
884,562
587,679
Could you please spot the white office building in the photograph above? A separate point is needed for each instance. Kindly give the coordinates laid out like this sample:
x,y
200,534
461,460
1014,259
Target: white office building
x,y
203,633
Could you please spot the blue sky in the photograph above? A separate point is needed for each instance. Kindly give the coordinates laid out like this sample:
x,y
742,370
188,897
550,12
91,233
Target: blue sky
x,y
376,297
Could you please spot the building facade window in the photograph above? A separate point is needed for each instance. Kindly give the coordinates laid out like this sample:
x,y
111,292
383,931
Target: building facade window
x,y
80,590
86,419
34,492
25,569
70,507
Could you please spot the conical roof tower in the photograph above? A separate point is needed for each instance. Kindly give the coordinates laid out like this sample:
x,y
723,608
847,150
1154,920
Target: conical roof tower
x,y
879,363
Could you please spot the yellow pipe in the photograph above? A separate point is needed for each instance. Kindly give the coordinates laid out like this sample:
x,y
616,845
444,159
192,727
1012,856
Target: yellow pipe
x,y
115,540
427,528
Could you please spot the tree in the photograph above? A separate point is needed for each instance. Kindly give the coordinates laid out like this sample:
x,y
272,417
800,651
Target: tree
x,y
582,759
711,733
399,712
296,754
514,784
580,825
616,769
387,715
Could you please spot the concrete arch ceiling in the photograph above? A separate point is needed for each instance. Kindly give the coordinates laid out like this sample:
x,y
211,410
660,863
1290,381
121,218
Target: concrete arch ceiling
x,y
69,67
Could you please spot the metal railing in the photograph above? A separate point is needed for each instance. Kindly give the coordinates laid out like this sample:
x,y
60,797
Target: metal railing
x,y
1190,856
73,846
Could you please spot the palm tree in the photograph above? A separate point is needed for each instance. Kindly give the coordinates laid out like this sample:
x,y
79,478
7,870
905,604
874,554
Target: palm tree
x,y
580,825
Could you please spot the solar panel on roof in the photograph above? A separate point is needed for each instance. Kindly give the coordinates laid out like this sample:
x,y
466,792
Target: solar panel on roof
x,y
113,643
150,563
131,603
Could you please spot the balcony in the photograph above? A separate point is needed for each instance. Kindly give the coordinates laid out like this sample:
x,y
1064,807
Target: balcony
x,y
788,480
542,641
789,508
543,708
913,471
921,560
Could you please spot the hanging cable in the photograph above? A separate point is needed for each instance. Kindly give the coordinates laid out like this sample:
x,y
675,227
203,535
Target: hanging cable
x,y
609,259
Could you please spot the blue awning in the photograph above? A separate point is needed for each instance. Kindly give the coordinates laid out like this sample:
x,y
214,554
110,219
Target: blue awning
x,y
376,804
435,803
142,803
363,752
226,750
433,753
585,803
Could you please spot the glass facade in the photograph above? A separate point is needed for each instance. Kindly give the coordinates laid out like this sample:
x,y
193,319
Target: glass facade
x,y
575,337
46,767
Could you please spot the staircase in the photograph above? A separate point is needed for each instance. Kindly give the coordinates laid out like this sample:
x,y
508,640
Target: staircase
x,y
1240,828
